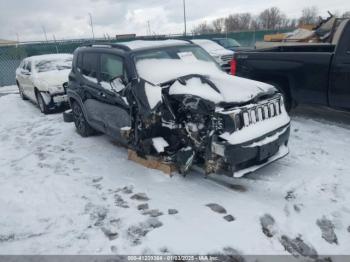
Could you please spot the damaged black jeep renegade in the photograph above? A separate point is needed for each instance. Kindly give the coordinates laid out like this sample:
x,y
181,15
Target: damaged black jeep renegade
x,y
170,99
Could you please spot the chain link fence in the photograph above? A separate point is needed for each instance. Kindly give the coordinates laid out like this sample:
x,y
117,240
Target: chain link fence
x,y
11,55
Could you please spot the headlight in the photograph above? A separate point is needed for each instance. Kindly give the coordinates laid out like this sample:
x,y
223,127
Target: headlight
x,y
55,89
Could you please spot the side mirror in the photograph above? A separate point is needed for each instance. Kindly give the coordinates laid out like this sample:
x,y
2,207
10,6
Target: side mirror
x,y
25,72
117,84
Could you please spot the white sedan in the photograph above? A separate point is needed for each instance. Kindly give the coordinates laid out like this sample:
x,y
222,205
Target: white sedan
x,y
43,79
222,55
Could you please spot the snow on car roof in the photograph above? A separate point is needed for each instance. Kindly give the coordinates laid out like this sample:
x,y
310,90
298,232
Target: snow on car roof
x,y
48,57
139,44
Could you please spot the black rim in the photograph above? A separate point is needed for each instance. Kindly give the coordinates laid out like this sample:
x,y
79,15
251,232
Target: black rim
x,y
79,118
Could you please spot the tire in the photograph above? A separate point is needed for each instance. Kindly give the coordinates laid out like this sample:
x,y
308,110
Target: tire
x,y
286,97
82,126
41,103
68,116
20,90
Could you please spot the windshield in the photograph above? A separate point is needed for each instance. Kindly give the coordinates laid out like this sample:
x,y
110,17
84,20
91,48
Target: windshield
x,y
229,42
53,64
161,65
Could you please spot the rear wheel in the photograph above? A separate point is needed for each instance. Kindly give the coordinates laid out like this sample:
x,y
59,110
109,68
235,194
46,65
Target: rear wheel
x,y
43,107
83,127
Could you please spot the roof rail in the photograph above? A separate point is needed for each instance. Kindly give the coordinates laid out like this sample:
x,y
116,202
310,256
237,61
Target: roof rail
x,y
114,45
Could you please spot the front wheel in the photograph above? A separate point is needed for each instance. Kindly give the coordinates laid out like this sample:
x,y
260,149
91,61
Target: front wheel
x,y
21,93
288,103
43,107
83,127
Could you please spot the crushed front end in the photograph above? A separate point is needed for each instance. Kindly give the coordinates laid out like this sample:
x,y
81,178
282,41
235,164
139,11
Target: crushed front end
x,y
188,130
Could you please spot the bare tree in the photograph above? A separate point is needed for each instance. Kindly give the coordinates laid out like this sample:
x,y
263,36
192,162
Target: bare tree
x,y
236,22
202,28
271,18
346,14
219,25
309,16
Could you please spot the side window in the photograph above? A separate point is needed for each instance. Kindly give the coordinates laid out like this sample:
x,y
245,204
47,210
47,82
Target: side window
x,y
112,67
28,66
89,65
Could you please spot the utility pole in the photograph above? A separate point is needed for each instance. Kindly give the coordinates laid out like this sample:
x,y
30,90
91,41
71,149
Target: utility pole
x,y
44,30
92,26
149,32
185,22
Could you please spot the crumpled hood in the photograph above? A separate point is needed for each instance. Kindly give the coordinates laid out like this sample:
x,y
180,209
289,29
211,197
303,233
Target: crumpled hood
x,y
232,89
53,78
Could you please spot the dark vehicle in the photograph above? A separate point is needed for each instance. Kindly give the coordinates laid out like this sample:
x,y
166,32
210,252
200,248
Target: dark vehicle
x,y
171,99
304,73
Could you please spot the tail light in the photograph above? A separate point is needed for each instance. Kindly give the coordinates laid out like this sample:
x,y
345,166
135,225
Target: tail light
x,y
233,64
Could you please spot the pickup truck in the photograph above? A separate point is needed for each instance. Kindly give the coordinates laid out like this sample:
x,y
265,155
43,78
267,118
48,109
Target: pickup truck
x,y
304,73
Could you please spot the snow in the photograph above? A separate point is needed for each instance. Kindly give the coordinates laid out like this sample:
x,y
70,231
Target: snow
x,y
139,44
232,88
159,144
256,130
195,87
211,47
154,94
38,58
59,193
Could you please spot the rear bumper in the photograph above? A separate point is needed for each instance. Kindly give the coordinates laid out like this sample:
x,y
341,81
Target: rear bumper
x,y
248,157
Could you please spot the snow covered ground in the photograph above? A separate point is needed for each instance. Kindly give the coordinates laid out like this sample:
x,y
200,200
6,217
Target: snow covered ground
x,y
64,194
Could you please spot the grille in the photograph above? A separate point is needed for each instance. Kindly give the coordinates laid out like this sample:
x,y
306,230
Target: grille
x,y
227,58
247,116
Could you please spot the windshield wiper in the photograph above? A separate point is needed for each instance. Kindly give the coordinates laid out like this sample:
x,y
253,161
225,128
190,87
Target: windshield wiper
x,y
183,80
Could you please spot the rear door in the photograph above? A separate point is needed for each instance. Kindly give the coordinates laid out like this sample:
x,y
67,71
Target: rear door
x,y
87,77
339,89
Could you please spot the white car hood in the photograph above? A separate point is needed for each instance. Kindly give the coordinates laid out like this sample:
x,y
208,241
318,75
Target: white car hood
x,y
53,78
220,52
232,89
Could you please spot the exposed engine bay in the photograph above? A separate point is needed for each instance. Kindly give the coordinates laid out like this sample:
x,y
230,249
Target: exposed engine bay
x,y
187,129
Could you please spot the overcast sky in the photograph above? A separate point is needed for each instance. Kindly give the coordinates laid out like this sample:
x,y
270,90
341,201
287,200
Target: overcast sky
x,y
69,19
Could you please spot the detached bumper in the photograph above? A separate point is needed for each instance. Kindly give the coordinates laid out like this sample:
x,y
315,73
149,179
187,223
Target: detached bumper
x,y
248,157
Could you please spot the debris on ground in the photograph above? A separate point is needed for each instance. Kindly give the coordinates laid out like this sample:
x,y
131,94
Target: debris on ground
x,y
110,233
140,197
172,211
327,229
217,208
142,207
268,225
297,247
229,218
120,202
152,213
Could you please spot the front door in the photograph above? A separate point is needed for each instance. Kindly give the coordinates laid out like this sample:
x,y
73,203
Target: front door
x,y
114,107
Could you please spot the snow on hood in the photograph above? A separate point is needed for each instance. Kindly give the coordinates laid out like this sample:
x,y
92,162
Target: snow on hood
x,y
212,48
54,77
232,89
